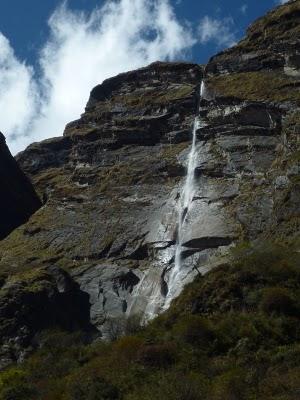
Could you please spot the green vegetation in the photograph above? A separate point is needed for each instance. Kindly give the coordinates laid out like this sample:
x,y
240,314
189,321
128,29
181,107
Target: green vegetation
x,y
233,334
257,86
153,97
33,280
58,182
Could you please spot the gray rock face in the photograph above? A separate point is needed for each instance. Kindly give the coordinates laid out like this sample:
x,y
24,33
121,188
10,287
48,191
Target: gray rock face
x,y
207,226
110,290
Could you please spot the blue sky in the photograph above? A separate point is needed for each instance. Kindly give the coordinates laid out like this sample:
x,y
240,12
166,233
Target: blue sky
x,y
25,22
51,55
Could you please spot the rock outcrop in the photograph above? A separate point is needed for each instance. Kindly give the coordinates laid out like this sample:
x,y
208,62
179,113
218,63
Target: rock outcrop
x,y
111,185
18,199
37,300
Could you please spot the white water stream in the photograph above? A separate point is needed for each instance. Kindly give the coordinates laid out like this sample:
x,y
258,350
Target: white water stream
x,y
150,286
178,272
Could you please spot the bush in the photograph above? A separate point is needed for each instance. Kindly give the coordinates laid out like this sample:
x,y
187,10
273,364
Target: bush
x,y
173,386
14,385
286,356
194,330
278,300
128,348
18,391
230,386
158,356
281,384
267,261
82,387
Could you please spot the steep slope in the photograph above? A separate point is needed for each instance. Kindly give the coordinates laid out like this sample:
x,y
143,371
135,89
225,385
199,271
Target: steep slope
x,y
112,183
18,199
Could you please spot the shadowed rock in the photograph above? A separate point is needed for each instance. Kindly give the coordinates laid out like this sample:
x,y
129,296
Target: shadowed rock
x,y
18,200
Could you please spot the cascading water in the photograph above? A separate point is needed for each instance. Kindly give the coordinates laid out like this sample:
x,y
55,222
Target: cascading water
x,y
147,298
186,199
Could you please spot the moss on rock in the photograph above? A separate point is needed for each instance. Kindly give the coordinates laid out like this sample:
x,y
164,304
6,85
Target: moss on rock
x,y
272,86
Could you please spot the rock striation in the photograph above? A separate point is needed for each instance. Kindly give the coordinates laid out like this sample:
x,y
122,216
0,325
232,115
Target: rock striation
x,y
112,183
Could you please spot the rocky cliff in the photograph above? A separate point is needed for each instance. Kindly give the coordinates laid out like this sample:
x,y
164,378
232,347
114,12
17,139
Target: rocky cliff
x,y
112,183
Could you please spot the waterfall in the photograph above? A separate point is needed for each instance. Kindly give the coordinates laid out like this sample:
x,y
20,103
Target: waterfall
x,y
147,298
177,274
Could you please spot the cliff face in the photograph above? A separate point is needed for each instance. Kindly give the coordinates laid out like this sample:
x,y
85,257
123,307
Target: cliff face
x,y
255,89
112,183
18,199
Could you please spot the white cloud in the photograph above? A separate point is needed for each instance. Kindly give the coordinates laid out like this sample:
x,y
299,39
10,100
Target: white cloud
x,y
219,31
18,101
244,9
281,1
81,52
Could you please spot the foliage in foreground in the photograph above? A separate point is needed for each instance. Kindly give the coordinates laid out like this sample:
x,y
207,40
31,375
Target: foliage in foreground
x,y
233,334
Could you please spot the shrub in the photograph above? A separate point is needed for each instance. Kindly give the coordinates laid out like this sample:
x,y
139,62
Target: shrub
x,y
230,386
90,388
278,300
281,384
159,355
286,356
194,330
128,347
14,385
173,386
267,261
18,391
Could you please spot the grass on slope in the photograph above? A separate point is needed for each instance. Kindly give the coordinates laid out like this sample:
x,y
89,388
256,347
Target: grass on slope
x,y
272,86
